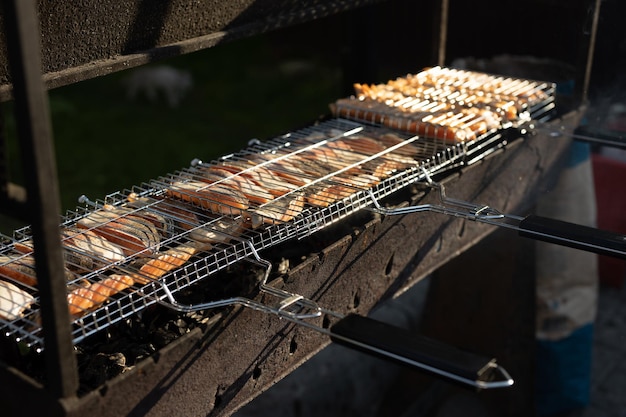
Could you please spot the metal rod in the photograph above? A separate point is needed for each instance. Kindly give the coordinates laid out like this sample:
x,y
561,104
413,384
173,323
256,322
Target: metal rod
x,y
443,31
301,315
610,139
38,161
589,44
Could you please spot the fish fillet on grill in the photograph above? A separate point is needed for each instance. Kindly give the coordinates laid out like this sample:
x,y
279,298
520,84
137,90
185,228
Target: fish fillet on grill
x,y
260,175
217,198
220,230
407,149
21,268
252,191
159,264
83,250
327,194
133,234
281,210
200,228
162,225
86,297
13,301
286,168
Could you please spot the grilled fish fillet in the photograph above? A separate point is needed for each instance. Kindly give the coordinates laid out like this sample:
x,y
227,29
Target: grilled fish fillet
x,y
92,244
253,192
328,194
407,149
84,250
13,301
218,231
21,268
281,210
171,209
217,198
203,230
84,298
164,262
261,176
162,225
285,168
133,234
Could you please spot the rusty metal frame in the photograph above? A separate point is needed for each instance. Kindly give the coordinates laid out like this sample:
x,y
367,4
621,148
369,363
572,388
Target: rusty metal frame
x,y
587,50
43,203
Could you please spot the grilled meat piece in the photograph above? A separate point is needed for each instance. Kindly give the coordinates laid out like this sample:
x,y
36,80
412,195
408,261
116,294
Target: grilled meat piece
x,y
170,209
21,268
82,299
161,263
90,244
217,198
203,229
253,192
13,301
133,234
281,210
408,149
260,175
286,168
362,144
328,194
218,231
164,225
84,250
310,167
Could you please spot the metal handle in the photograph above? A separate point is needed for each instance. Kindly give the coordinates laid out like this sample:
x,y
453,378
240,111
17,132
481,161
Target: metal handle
x,y
541,228
405,347
290,306
451,207
359,332
573,235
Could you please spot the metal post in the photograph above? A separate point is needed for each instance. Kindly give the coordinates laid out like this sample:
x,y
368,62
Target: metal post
x,y
592,32
43,204
441,34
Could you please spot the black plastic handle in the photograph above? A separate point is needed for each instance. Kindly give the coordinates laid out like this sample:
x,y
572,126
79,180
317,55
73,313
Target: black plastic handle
x,y
405,347
574,236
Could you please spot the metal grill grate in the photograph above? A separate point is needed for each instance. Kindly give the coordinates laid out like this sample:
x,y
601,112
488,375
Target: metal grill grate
x,y
205,235
137,247
450,104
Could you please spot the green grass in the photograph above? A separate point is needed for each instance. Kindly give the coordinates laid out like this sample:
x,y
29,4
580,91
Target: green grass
x,y
104,142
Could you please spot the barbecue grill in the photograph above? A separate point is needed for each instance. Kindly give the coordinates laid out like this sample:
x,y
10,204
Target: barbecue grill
x,y
289,188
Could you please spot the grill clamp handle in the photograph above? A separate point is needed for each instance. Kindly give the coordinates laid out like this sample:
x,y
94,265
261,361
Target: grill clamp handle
x,y
364,334
409,348
563,233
